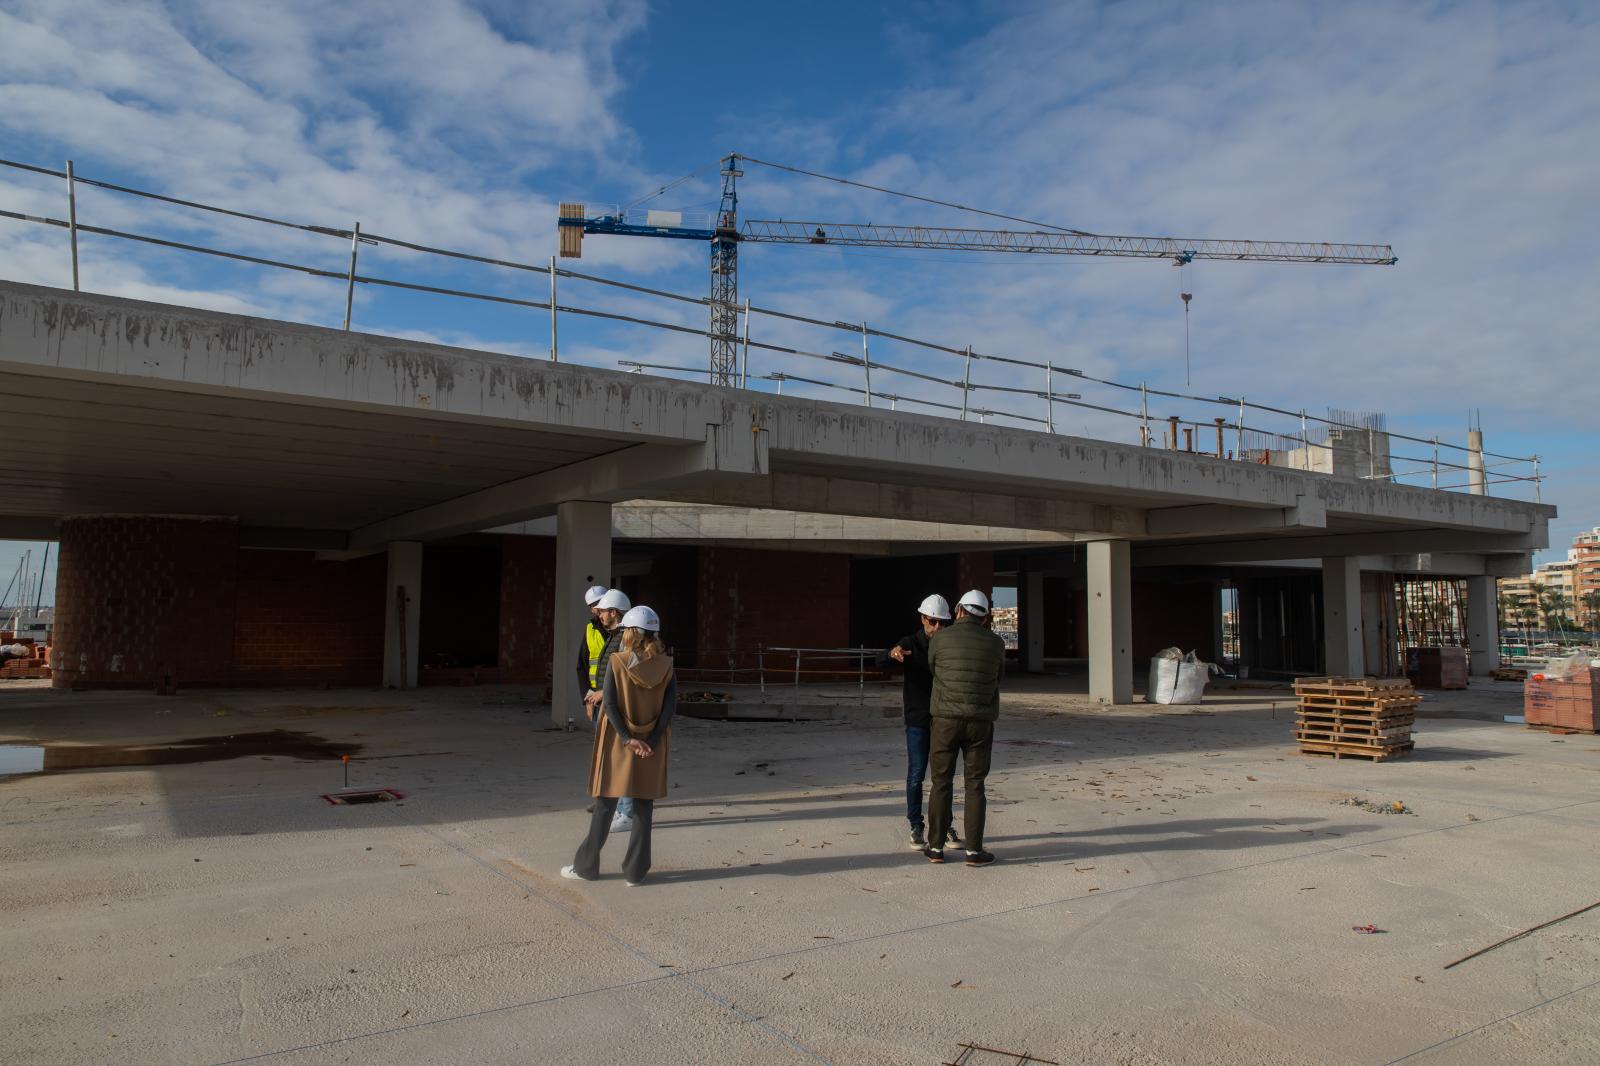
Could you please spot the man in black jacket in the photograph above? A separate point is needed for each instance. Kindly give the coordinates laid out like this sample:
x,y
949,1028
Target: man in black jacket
x,y
912,653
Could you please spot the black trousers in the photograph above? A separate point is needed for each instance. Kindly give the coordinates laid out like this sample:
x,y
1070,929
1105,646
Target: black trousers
x,y
636,863
973,738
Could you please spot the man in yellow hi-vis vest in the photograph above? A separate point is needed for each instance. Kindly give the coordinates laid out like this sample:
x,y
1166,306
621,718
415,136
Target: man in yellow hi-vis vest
x,y
600,636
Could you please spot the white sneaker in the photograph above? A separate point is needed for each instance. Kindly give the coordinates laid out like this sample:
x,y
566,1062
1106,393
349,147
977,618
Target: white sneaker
x,y
621,823
633,884
573,875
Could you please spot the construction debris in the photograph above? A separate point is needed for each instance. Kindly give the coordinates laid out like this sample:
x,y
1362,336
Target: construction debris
x,y
1361,716
1396,807
1519,936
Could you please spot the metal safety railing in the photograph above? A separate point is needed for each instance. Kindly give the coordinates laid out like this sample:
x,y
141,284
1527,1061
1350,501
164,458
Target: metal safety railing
x,y
780,667
1173,431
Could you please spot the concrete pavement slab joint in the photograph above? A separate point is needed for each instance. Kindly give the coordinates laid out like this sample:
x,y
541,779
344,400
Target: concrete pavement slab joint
x,y
1486,1025
533,890
1106,894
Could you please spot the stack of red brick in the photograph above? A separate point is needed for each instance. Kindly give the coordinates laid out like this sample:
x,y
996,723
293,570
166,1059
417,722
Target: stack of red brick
x,y
36,666
1572,703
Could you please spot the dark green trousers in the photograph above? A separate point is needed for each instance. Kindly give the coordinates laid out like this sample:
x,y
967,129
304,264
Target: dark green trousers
x,y
973,738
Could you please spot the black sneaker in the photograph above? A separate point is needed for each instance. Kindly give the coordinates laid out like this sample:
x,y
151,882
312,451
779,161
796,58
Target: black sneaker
x,y
935,855
952,837
980,858
918,841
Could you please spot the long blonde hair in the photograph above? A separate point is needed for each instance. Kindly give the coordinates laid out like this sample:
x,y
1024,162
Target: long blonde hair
x,y
642,643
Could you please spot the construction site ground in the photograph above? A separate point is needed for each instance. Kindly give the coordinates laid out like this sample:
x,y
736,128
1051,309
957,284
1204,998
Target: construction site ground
x,y
1175,885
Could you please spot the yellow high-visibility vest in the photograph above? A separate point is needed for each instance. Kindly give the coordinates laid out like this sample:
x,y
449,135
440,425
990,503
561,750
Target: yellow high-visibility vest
x,y
596,639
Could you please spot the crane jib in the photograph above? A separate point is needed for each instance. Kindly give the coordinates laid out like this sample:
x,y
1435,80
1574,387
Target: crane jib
x,y
1181,249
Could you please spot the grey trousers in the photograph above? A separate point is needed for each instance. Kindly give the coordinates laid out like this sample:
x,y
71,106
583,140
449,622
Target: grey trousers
x,y
636,863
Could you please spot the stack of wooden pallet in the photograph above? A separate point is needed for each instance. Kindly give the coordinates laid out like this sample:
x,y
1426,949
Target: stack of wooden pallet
x,y
1360,716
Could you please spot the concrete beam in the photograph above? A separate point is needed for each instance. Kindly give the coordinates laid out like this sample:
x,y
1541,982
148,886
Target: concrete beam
x,y
1345,655
1364,543
1308,512
402,629
19,527
628,473
829,495
1110,591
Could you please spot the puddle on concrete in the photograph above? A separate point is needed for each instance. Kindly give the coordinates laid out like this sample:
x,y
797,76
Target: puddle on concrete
x,y
16,759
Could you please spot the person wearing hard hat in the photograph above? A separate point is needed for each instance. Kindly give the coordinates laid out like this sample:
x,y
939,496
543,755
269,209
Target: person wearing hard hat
x,y
967,660
608,610
912,653
638,699
594,642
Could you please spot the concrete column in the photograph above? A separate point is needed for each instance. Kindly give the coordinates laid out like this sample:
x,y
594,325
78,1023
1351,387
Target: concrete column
x,y
1341,617
1476,481
1483,626
1032,597
583,558
405,576
1110,595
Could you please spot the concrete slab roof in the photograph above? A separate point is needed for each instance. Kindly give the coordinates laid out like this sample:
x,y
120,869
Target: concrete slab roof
x,y
347,440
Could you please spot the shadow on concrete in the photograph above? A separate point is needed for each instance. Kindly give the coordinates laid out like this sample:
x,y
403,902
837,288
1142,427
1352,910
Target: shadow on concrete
x,y
1226,834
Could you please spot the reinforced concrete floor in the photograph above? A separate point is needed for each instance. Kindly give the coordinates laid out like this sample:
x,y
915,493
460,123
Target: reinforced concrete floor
x,y
1173,888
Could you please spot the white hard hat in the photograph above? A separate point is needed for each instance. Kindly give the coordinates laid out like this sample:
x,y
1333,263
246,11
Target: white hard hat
x,y
592,597
936,607
614,600
642,617
975,602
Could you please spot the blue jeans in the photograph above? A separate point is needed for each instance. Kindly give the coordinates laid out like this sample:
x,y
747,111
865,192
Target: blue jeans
x,y
917,738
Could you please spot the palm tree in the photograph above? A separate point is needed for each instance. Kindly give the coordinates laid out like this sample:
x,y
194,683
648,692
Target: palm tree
x,y
1556,607
1591,601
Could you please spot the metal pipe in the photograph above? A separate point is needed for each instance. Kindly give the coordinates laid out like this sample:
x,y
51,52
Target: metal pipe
x,y
1435,460
554,351
350,280
1144,414
1049,398
1305,442
1239,441
761,668
966,383
72,221
744,374
866,362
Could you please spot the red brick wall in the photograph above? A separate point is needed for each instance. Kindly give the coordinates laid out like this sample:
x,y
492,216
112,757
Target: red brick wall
x,y
974,570
527,603
1164,616
143,598
748,597
1173,615
301,621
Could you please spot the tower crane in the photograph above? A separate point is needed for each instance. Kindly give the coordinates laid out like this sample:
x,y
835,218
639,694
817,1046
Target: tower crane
x,y
725,232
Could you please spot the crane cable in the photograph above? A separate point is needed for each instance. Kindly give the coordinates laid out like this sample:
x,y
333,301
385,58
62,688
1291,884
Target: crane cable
x,y
913,196
1185,293
668,187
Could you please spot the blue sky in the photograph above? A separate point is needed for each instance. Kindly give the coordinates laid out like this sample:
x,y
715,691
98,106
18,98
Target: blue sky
x,y
1467,135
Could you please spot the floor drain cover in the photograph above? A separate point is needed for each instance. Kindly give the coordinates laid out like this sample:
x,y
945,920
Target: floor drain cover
x,y
363,795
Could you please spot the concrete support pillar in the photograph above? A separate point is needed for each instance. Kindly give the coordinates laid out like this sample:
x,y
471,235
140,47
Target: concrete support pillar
x,y
402,642
1032,597
1341,617
1483,626
1476,481
583,558
1110,595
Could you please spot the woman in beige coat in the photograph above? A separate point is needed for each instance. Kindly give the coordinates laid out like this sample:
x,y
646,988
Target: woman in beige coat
x,y
630,745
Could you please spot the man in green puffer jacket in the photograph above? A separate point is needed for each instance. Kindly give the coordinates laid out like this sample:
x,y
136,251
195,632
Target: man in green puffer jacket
x,y
967,660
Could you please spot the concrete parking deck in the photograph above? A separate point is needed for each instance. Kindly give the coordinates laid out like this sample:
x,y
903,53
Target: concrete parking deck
x,y
1176,886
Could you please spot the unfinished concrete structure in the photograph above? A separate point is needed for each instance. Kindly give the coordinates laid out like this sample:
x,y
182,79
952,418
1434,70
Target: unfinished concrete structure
x,y
247,501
